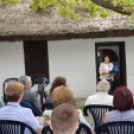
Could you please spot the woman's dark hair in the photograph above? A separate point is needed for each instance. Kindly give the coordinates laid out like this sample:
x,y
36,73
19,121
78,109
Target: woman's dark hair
x,y
105,57
123,99
58,81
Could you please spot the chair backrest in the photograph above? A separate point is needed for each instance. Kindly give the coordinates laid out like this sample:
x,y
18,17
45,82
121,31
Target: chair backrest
x,y
116,127
8,80
82,127
48,105
46,130
41,81
97,112
27,105
14,127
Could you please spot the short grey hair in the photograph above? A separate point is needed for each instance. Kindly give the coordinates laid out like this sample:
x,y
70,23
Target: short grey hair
x,y
24,79
103,86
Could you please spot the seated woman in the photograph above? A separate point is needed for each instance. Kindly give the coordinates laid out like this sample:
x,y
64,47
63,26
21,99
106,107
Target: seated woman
x,y
14,112
61,95
123,104
58,81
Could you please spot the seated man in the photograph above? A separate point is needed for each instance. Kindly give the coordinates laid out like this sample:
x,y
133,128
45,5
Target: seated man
x,y
101,97
13,111
64,119
30,96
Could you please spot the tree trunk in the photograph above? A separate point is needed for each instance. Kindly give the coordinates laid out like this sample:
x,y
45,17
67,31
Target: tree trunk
x,y
108,5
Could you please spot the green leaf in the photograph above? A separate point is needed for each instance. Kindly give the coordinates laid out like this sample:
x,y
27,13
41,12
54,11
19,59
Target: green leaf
x,y
10,2
132,16
114,2
104,15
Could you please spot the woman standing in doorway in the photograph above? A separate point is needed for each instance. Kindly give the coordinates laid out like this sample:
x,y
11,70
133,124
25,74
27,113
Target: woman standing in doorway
x,y
105,68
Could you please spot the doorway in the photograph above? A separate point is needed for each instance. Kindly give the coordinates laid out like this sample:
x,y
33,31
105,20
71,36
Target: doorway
x,y
116,52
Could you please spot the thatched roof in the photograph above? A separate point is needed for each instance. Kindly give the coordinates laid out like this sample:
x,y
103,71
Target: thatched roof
x,y
20,23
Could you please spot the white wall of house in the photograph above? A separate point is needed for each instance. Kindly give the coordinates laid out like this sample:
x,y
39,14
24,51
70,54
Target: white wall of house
x,y
11,61
130,63
75,60
72,59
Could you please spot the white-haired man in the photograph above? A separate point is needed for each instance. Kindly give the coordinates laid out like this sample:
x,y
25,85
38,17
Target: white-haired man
x,y
101,97
30,96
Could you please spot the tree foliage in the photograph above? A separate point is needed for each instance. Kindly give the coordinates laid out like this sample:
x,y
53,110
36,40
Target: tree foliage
x,y
10,2
65,8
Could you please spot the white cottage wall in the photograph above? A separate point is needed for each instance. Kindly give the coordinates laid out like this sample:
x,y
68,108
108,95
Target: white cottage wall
x,y
11,61
130,63
72,59
75,60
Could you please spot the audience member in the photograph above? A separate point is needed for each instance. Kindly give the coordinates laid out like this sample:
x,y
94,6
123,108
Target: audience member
x,y
30,96
123,104
64,119
13,111
60,95
58,81
2,104
101,97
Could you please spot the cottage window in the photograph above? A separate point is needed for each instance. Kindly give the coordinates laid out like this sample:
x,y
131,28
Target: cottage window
x,y
36,59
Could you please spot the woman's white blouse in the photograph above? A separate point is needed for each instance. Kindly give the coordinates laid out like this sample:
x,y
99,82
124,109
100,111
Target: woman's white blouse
x,y
105,67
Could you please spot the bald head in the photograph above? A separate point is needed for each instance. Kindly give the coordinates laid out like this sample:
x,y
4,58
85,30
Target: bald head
x,y
103,86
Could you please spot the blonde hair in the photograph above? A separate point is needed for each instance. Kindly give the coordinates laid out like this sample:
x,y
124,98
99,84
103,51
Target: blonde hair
x,y
13,91
61,94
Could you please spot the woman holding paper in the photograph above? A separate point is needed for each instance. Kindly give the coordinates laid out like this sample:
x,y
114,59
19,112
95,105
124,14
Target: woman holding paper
x,y
105,68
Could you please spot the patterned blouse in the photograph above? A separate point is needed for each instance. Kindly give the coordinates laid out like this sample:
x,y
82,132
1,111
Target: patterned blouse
x,y
120,116
47,117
